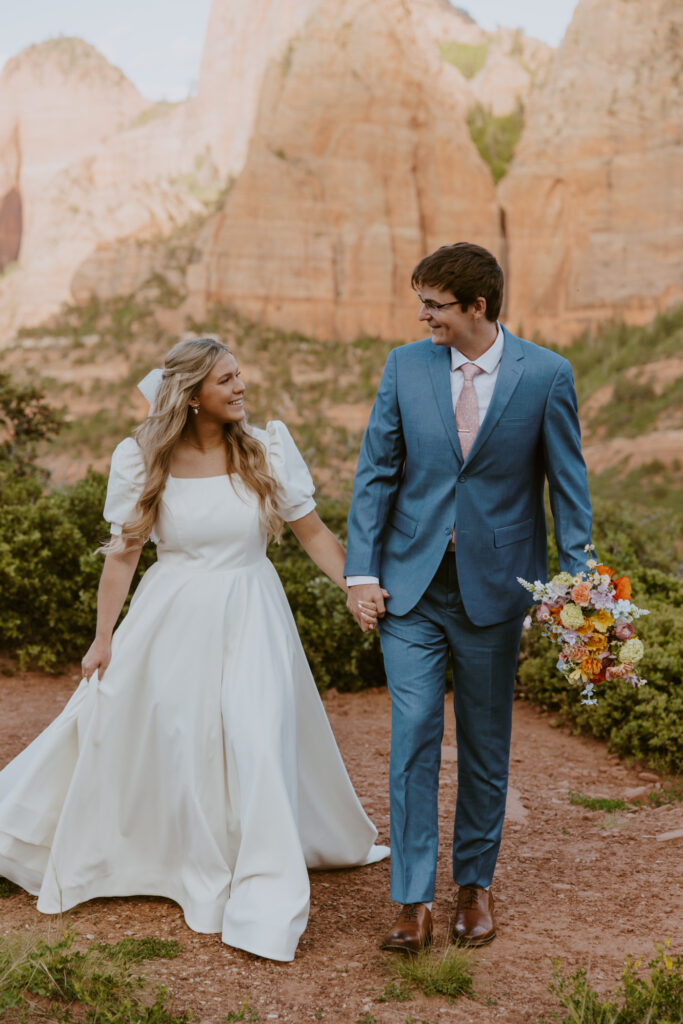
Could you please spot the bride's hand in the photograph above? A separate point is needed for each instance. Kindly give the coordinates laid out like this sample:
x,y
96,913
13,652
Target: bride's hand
x,y
97,658
368,616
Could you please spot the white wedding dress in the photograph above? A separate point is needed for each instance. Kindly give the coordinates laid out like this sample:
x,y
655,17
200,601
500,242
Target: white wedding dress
x,y
202,766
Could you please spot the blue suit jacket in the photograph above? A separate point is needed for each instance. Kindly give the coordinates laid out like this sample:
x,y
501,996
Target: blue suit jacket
x,y
412,485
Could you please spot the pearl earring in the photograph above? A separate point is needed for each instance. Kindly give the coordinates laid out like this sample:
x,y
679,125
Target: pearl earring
x,y
195,409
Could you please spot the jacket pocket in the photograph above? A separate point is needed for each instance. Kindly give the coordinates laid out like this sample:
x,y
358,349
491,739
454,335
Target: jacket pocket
x,y
512,534
403,523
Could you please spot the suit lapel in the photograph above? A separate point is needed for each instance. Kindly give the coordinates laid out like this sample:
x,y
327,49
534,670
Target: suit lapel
x,y
440,370
509,376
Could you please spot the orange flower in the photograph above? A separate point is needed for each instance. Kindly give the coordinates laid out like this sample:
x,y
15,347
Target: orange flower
x,y
622,588
596,642
576,652
581,594
591,666
604,570
586,628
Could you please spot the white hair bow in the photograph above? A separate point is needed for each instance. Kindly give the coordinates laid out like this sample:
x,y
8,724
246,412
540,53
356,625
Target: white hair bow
x,y
149,385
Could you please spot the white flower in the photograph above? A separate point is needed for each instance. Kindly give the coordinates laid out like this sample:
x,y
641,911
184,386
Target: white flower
x,y
632,651
527,623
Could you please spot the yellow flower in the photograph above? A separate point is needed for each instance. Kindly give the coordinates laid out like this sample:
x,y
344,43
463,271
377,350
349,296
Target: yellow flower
x,y
602,620
596,642
571,616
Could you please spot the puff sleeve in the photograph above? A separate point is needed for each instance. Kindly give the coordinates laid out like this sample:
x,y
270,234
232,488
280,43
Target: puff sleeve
x,y
126,480
290,471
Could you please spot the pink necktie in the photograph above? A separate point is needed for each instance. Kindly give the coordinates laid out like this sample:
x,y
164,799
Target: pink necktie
x,y
467,410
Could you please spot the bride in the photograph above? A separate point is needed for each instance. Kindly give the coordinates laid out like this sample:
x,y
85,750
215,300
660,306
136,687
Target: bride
x,y
195,760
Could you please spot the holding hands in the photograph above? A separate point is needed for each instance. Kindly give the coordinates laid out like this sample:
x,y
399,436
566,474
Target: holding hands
x,y
365,601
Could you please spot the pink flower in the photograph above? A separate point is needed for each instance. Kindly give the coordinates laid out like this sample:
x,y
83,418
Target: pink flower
x,y
581,594
543,612
618,671
623,630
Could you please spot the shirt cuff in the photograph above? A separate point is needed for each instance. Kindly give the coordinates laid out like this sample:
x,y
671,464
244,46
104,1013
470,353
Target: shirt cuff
x,y
356,581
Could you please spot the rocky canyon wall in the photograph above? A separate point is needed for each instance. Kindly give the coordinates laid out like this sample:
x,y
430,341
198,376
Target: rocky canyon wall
x,y
360,161
594,196
73,173
343,125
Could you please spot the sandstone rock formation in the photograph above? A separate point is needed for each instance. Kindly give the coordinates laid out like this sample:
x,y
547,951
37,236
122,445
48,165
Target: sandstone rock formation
x,y
64,186
360,162
241,39
515,65
594,197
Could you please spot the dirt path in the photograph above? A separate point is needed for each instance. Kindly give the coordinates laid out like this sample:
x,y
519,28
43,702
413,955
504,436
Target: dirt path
x,y
582,885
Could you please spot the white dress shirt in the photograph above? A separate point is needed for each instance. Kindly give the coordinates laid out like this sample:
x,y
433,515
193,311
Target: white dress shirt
x,y
484,383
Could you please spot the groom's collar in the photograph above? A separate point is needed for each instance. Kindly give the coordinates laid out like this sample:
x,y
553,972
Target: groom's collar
x,y
488,361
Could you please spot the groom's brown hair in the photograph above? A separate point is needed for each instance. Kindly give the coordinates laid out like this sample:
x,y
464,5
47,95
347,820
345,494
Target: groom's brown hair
x,y
467,271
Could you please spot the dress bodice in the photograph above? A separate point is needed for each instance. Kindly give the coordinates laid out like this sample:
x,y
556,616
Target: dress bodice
x,y
211,523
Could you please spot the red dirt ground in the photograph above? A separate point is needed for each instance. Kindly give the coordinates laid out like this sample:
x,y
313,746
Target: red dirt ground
x,y
585,886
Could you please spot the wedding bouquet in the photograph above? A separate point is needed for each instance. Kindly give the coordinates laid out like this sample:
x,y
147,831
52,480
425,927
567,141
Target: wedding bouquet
x,y
591,615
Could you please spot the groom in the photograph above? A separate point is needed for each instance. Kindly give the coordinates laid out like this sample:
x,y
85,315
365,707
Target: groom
x,y
447,512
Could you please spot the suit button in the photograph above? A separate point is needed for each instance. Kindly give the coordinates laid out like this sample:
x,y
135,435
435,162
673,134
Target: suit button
x,y
462,478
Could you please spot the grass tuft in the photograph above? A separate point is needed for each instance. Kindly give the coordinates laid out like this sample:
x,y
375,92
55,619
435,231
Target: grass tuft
x,y
245,1013
596,803
7,888
134,951
445,973
96,986
395,993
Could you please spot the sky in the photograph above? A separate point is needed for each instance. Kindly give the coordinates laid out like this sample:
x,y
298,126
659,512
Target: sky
x,y
158,43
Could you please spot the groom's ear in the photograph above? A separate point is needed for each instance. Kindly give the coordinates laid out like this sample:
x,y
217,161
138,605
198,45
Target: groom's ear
x,y
479,307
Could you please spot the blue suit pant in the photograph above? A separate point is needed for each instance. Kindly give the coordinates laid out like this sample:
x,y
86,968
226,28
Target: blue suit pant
x,y
415,648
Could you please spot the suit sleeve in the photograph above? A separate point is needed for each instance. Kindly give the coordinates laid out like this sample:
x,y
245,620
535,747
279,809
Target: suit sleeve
x,y
378,475
566,471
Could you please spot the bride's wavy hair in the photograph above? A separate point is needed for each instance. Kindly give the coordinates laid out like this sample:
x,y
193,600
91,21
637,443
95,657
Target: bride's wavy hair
x,y
186,366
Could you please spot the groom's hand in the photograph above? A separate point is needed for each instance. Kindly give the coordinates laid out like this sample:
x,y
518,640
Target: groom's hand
x,y
365,601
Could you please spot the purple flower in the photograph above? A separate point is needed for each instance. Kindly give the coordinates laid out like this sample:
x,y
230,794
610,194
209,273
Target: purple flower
x,y
600,599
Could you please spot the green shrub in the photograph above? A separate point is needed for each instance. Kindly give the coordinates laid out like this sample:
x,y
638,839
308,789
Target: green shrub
x,y
599,355
467,57
339,654
496,137
49,571
657,999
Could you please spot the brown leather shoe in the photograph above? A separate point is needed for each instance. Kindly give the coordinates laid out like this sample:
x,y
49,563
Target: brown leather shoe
x,y
474,924
412,929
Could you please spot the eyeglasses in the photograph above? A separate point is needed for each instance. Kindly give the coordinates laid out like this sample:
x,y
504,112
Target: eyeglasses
x,y
434,307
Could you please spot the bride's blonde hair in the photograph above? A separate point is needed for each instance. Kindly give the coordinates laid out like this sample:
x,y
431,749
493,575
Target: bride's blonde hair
x,y
185,368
